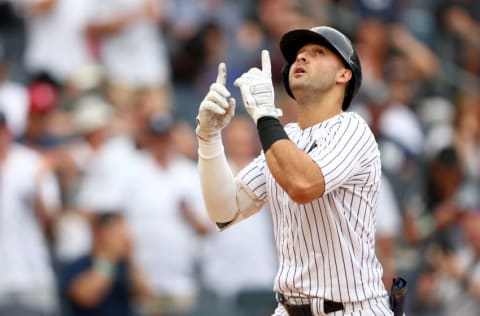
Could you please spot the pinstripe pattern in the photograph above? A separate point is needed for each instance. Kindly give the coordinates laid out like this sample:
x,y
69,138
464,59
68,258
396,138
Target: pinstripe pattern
x,y
326,248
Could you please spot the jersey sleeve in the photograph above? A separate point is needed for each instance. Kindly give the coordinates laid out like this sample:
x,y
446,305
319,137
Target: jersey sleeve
x,y
340,153
253,176
251,191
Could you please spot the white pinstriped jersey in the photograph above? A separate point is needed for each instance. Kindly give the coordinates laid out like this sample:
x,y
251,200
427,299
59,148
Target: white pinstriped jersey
x,y
326,248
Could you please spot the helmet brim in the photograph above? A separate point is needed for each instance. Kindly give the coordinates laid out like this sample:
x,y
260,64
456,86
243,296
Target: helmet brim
x,y
293,41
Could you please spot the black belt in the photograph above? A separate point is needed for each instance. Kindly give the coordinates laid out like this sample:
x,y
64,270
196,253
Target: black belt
x,y
306,309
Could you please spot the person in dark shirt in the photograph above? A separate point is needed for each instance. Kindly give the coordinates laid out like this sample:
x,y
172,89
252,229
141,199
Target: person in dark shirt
x,y
104,282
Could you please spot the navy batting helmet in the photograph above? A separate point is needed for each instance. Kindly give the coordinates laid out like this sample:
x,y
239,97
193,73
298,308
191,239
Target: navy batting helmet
x,y
292,41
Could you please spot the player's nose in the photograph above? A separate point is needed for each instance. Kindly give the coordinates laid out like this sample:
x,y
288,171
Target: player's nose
x,y
301,57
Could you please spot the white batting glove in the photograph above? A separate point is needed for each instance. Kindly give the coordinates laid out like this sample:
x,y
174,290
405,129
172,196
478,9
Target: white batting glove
x,y
257,90
217,108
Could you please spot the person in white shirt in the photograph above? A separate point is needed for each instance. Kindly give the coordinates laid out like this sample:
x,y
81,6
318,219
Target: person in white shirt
x,y
165,210
159,193
56,36
13,97
29,197
92,120
132,51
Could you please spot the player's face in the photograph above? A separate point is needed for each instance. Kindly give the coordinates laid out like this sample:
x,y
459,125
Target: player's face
x,y
316,67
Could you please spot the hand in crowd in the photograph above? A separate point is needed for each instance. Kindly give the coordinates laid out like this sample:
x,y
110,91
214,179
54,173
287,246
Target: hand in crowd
x,y
459,21
423,60
115,243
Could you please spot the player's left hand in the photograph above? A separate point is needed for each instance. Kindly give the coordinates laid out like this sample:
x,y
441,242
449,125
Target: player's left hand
x,y
257,90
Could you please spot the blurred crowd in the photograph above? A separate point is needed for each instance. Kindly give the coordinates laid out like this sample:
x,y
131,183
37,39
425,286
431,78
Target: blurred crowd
x,y
101,210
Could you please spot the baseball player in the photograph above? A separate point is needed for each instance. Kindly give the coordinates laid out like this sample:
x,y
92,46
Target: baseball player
x,y
320,176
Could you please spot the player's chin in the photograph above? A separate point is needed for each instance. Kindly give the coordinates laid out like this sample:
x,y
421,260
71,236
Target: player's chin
x,y
297,85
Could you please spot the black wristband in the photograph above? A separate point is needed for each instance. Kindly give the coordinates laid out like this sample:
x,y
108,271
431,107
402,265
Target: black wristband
x,y
270,130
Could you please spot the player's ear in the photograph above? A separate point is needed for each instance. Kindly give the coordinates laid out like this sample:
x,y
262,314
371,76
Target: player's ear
x,y
344,75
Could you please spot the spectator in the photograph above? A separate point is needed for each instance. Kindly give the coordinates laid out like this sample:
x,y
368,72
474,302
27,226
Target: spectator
x,y
92,120
56,39
47,130
132,51
426,300
436,223
436,115
162,207
384,10
461,18
371,38
460,270
401,136
29,199
43,98
13,97
435,228
106,180
192,65
103,282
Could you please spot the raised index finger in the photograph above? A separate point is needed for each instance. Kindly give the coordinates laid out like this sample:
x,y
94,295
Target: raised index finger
x,y
222,74
266,64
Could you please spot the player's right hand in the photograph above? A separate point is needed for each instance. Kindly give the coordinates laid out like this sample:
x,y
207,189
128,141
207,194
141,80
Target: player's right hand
x,y
217,108
257,92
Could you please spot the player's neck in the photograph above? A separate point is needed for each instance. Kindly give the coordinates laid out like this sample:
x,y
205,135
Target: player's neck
x,y
310,114
315,106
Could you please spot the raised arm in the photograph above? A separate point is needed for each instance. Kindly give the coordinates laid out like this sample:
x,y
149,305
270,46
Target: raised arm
x,y
293,169
216,178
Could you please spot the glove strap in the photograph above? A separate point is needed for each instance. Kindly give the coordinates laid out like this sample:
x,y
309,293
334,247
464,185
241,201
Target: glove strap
x,y
270,130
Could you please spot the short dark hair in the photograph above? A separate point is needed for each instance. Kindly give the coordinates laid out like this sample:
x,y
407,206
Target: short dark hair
x,y
104,218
